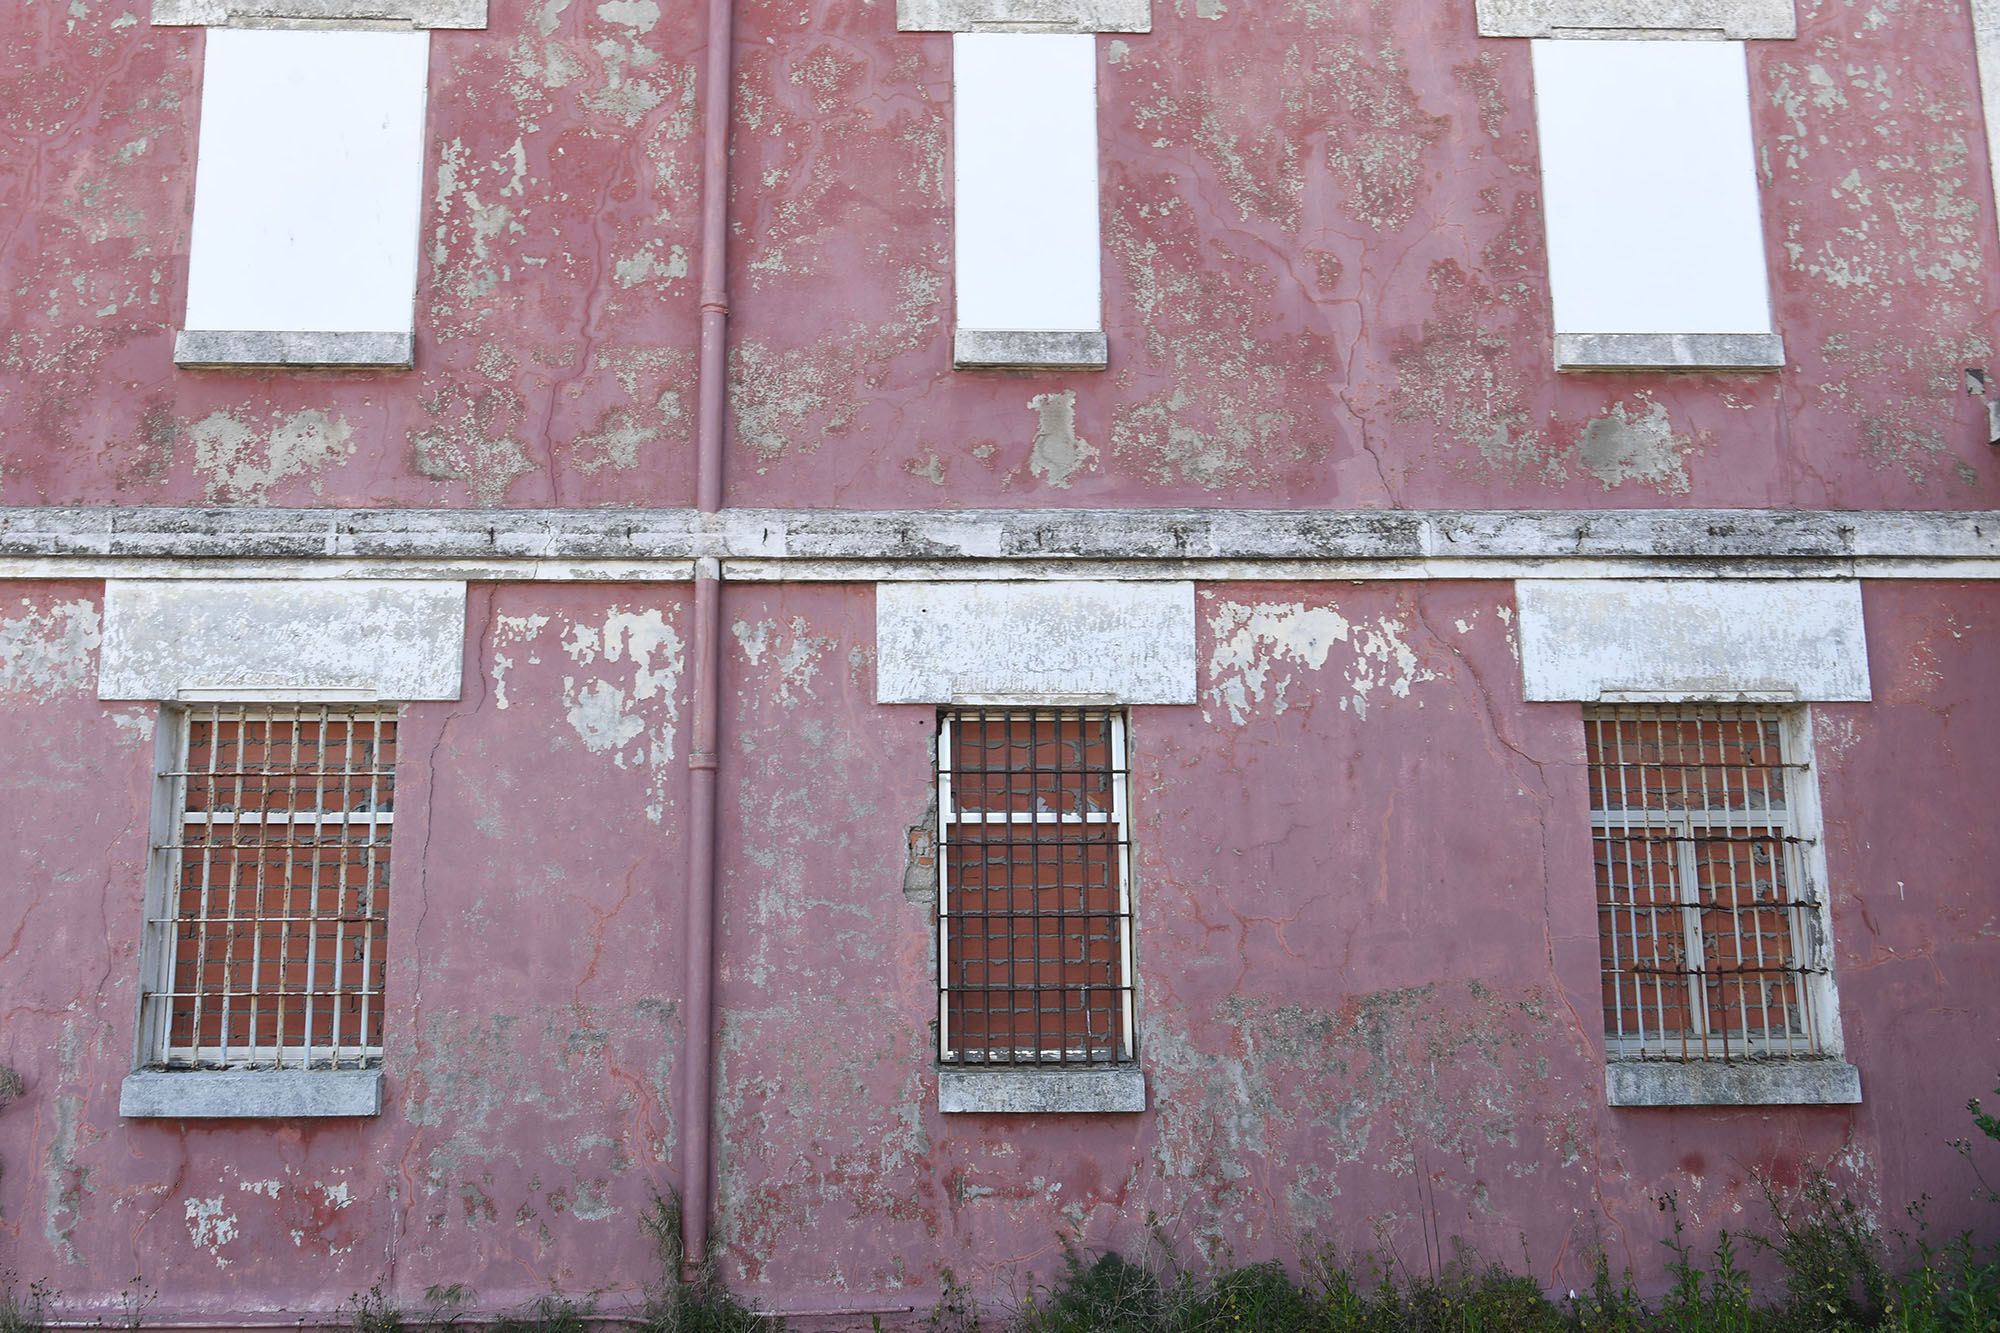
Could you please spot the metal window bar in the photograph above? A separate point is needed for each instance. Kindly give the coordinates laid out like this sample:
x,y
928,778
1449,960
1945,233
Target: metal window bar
x,y
1706,916
1034,908
272,918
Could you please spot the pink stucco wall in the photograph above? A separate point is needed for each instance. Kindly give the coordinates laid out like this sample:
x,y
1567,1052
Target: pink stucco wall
x,y
1324,272
1366,947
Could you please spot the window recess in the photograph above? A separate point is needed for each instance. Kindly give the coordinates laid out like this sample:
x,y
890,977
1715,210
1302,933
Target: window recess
x,y
1712,920
266,949
1025,201
1035,914
1655,234
308,197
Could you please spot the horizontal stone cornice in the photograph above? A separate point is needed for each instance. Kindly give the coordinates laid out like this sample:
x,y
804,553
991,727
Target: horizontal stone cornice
x,y
657,544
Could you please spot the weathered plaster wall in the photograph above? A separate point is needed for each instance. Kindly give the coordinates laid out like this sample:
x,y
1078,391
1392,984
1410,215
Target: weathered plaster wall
x,y
534,1021
1366,940
1368,960
1325,277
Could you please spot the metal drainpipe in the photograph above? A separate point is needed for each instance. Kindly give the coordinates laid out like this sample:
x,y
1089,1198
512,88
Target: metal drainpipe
x,y
698,939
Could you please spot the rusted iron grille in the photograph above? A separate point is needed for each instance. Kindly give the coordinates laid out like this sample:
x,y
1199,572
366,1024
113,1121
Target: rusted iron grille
x,y
1710,938
277,879
1035,919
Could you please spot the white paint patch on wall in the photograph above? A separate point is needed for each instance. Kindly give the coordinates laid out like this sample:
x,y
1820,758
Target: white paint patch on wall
x,y
1017,642
374,639
633,713
1605,639
507,631
1025,210
211,1226
309,181
1260,648
46,651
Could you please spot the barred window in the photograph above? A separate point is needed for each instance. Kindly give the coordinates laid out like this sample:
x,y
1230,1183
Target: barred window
x,y
267,938
1713,938
1035,917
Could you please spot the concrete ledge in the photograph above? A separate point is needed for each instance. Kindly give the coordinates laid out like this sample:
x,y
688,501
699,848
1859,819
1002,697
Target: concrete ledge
x,y
1004,349
1024,15
1118,1090
1731,1083
320,13
347,351
1637,19
208,1094
1670,351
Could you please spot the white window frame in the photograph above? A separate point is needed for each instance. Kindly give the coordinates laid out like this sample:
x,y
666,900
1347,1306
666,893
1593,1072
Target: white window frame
x,y
1641,1071
308,1079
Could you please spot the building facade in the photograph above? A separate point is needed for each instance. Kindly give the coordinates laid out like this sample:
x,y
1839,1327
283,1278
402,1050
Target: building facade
x,y
944,627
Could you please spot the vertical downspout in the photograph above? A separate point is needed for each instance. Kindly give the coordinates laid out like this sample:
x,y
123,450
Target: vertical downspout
x,y
698,938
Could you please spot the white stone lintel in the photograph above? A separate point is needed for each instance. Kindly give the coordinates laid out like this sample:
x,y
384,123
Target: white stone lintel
x,y
1035,643
1664,640
255,640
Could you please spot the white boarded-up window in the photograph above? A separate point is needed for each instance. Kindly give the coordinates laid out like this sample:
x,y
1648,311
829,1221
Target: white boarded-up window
x,y
1650,187
308,189
1025,211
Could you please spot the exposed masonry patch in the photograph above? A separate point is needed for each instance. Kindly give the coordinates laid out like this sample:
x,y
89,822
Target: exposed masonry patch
x,y
48,652
1260,648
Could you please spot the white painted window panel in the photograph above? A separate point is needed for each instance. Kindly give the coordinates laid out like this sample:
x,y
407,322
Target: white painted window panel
x,y
1025,201
1650,187
309,182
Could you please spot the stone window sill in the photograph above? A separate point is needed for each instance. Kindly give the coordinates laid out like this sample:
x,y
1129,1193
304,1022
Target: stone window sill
x,y
263,1094
1731,1083
1118,1090
1670,351
199,348
1007,349
320,13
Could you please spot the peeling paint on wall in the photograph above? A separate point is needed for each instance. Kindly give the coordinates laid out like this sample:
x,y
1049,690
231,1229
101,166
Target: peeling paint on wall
x,y
241,460
45,652
1259,649
633,719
